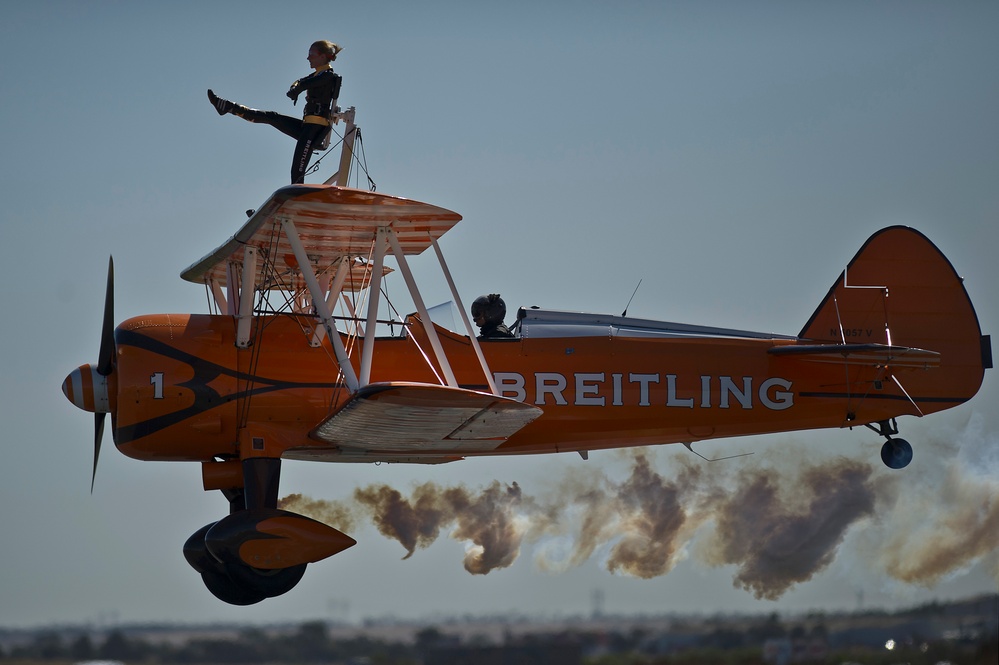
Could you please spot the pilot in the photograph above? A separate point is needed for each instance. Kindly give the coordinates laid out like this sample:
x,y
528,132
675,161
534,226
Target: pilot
x,y
488,313
321,89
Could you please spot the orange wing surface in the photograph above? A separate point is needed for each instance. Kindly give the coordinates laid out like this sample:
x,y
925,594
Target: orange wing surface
x,y
332,223
423,417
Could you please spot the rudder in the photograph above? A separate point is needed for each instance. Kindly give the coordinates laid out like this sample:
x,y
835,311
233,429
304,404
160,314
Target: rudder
x,y
901,290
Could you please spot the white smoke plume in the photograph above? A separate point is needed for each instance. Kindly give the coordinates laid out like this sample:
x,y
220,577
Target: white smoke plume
x,y
944,518
778,520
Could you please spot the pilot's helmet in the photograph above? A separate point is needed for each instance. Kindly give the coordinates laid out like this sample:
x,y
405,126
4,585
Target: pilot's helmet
x,y
491,308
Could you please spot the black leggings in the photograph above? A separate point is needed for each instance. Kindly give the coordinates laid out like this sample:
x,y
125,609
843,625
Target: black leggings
x,y
306,133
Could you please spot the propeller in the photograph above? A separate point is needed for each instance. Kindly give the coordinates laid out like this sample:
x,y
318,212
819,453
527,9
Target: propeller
x,y
98,435
89,387
105,361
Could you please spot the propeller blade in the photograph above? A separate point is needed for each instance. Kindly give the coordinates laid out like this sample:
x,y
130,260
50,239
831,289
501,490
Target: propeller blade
x,y
98,435
105,360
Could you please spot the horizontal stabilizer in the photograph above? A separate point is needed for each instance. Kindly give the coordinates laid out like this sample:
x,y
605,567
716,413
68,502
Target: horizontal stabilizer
x,y
867,355
424,417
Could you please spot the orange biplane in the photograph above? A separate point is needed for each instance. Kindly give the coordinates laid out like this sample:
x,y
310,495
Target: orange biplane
x,y
274,375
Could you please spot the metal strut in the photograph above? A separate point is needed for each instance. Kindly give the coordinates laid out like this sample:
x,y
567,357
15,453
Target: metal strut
x,y
885,428
319,302
347,149
464,317
428,325
689,445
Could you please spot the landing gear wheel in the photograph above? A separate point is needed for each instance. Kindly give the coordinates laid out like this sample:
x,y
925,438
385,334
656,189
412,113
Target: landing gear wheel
x,y
196,553
213,573
896,453
270,583
223,588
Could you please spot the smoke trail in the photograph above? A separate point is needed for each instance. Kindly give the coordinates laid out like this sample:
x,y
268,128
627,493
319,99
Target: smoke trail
x,y
577,516
486,519
489,521
779,522
774,540
946,518
782,533
654,517
414,523
337,514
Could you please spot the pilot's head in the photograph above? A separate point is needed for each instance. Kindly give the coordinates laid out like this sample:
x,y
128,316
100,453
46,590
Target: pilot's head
x,y
488,311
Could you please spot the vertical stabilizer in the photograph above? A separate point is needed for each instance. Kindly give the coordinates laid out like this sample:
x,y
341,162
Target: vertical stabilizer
x,y
901,290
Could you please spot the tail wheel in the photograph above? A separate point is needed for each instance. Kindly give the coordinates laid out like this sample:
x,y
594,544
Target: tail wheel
x,y
896,453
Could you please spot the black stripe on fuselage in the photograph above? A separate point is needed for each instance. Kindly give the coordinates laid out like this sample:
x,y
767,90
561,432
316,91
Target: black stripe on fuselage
x,y
205,397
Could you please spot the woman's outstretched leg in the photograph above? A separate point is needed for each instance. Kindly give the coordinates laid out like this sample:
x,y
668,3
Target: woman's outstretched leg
x,y
283,123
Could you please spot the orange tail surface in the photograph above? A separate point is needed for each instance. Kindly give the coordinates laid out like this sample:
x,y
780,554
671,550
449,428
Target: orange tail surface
x,y
900,290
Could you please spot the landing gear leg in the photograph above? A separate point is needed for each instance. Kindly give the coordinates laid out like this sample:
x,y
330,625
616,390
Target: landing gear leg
x,y
214,549
895,453
261,477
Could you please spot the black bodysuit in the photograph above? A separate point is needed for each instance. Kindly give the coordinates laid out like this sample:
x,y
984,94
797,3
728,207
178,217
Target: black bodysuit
x,y
321,90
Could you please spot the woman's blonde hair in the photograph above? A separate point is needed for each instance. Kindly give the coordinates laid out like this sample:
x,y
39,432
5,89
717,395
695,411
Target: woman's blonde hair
x,y
327,48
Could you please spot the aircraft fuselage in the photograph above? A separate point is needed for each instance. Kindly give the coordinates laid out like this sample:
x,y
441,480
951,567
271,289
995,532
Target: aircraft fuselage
x,y
186,392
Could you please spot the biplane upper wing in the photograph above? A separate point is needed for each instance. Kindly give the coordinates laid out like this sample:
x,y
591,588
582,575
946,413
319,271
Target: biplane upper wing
x,y
332,223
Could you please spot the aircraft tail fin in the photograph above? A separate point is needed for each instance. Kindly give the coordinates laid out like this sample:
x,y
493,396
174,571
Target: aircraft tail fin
x,y
900,290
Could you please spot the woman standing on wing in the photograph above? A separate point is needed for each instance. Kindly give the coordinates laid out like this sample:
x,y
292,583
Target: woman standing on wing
x,y
321,88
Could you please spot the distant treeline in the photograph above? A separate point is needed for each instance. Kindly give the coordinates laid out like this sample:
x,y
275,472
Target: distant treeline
x,y
309,644
924,634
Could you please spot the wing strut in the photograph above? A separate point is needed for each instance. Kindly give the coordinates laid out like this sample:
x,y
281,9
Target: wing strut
x,y
319,302
906,393
220,301
389,234
336,286
435,341
464,318
231,289
246,293
374,293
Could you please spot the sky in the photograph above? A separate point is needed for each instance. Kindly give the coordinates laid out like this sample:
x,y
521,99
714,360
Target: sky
x,y
732,156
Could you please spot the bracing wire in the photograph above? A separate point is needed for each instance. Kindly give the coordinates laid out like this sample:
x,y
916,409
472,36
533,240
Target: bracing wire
x,y
362,162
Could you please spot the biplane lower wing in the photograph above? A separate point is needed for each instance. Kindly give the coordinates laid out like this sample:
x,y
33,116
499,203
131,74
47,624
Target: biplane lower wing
x,y
413,417
865,355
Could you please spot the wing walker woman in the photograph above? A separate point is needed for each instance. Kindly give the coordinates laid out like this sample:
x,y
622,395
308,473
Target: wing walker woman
x,y
321,88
